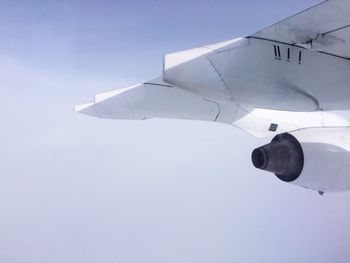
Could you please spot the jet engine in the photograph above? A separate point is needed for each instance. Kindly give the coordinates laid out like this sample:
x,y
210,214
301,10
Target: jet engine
x,y
314,158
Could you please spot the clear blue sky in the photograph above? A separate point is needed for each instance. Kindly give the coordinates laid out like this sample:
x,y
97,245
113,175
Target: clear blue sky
x,y
79,189
126,38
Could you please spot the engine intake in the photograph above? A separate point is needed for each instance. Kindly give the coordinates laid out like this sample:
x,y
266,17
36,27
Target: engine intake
x,y
283,156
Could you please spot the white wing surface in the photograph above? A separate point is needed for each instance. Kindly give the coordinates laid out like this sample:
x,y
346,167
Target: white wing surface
x,y
324,28
289,76
268,123
153,99
156,99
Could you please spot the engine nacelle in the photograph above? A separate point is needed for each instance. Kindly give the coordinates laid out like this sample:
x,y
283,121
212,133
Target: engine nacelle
x,y
315,158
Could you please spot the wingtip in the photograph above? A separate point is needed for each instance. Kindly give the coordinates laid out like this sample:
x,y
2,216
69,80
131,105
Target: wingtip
x,y
80,107
87,109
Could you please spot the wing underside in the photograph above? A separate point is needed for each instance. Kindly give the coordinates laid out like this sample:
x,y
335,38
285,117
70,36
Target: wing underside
x,y
152,99
323,28
156,99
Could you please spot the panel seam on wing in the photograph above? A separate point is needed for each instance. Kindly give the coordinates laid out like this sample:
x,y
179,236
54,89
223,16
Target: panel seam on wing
x,y
219,108
220,78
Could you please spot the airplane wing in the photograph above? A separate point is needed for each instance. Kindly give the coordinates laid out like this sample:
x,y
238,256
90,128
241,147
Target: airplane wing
x,y
289,81
152,99
298,64
157,99
323,28
259,84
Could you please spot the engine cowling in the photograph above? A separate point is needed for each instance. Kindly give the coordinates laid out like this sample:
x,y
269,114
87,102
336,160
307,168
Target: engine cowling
x,y
315,158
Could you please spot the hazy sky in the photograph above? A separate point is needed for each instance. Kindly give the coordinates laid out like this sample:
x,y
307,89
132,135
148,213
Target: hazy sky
x,y
79,189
